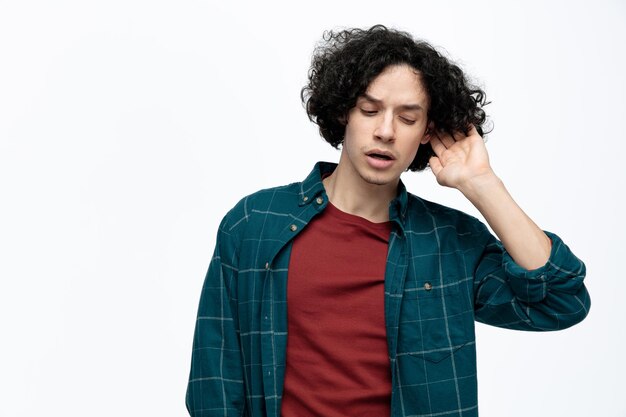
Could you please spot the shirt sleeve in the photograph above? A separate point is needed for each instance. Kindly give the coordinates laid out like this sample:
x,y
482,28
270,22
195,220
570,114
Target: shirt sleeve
x,y
552,297
215,386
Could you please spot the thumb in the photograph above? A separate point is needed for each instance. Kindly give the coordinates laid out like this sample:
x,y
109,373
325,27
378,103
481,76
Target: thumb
x,y
435,165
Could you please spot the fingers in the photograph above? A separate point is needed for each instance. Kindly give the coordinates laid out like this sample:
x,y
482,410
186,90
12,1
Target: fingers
x,y
438,147
440,142
446,139
459,136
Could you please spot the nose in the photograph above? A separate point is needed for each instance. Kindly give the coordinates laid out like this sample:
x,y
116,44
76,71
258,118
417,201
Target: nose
x,y
385,131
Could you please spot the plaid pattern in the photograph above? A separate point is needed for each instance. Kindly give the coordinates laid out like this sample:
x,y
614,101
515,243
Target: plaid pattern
x,y
444,271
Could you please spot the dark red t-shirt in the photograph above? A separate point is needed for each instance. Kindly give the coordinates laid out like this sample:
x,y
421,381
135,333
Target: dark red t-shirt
x,y
337,358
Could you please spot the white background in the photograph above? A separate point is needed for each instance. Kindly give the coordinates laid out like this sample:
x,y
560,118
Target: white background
x,y
128,129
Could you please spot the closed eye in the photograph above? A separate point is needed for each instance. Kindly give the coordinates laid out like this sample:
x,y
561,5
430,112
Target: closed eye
x,y
407,121
369,112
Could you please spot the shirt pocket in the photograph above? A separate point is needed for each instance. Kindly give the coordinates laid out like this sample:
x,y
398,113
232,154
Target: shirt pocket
x,y
436,314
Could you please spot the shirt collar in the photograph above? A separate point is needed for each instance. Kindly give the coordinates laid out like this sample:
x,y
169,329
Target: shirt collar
x,y
312,187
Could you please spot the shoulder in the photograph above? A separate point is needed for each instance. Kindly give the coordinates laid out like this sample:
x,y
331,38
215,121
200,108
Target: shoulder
x,y
439,216
279,200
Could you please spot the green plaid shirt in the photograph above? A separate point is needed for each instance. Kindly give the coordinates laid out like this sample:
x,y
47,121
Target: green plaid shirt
x,y
444,271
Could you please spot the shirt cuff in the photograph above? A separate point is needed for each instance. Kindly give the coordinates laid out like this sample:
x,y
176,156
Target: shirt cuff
x,y
563,272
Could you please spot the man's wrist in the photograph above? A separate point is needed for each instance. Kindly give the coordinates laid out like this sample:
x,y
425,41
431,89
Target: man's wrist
x,y
482,186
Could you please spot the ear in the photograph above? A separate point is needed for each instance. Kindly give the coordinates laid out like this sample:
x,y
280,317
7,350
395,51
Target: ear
x,y
429,131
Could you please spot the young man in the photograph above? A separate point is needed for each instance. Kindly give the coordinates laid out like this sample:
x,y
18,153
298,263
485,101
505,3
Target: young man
x,y
344,295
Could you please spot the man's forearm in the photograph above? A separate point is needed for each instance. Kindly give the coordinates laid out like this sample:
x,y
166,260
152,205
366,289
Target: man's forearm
x,y
527,244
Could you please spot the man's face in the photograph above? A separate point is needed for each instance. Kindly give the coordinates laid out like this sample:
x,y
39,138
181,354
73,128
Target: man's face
x,y
386,126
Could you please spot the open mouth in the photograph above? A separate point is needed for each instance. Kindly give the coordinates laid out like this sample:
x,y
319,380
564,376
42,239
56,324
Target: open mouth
x,y
380,156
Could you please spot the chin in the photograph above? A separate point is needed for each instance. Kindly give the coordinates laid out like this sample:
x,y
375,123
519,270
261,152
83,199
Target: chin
x,y
377,179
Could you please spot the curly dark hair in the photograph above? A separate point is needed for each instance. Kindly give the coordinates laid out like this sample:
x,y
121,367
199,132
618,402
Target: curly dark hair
x,y
346,62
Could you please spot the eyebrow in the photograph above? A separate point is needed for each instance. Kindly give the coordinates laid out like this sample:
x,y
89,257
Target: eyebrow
x,y
403,106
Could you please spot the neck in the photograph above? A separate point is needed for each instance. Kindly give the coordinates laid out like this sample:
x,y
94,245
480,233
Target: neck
x,y
350,193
